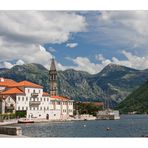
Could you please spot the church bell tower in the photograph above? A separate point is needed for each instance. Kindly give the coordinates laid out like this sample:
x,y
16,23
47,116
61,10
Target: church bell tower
x,y
53,79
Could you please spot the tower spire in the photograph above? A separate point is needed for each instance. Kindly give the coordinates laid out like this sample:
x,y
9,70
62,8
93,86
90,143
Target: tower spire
x,y
52,67
53,78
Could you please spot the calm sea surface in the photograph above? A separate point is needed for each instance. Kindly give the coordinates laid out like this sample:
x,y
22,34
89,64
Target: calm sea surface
x,y
127,126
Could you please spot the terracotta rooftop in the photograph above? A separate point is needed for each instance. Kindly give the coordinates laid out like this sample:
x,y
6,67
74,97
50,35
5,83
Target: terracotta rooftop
x,y
7,82
28,84
60,98
12,91
45,94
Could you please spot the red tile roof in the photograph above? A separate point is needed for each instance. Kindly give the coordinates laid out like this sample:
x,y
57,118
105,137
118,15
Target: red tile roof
x,y
12,91
45,94
7,82
29,84
60,98
12,83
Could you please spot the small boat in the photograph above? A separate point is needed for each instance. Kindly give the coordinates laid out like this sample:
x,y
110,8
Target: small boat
x,y
108,129
25,121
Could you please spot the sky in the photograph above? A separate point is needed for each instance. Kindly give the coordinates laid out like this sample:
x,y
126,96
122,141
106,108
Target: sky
x,y
82,40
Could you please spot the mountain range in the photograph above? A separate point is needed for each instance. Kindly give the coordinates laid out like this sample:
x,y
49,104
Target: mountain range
x,y
114,82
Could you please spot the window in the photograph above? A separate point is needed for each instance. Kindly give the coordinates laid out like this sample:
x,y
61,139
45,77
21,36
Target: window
x,y
44,99
39,91
26,98
58,102
40,108
18,98
28,90
22,98
34,91
26,108
18,108
22,108
47,108
41,99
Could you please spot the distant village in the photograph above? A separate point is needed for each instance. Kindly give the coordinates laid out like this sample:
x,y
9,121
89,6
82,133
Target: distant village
x,y
27,101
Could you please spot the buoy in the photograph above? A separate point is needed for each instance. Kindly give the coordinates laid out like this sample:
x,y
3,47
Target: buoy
x,y
108,128
84,125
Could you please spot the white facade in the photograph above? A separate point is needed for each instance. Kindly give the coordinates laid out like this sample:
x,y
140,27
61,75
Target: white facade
x,y
32,100
62,107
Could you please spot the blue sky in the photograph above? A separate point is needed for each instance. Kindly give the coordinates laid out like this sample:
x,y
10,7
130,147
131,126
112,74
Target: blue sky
x,y
82,40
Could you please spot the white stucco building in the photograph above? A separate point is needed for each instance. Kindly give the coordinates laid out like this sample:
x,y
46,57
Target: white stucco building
x,y
24,96
61,107
29,97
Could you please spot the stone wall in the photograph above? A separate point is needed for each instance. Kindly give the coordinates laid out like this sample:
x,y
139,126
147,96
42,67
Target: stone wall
x,y
8,130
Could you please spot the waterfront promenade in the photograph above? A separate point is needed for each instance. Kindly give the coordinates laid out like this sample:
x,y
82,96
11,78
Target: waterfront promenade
x,y
9,122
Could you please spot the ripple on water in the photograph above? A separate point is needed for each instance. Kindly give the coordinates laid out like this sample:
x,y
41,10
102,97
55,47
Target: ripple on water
x,y
127,126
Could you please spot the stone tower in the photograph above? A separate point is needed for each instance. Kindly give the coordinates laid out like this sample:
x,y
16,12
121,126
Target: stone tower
x,y
53,79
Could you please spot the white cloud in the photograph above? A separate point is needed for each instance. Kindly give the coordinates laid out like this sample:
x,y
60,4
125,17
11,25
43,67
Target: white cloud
x,y
84,64
22,33
10,65
124,28
132,61
7,65
20,62
71,45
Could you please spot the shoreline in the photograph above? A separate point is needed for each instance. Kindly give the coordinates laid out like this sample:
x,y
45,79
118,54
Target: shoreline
x,y
12,136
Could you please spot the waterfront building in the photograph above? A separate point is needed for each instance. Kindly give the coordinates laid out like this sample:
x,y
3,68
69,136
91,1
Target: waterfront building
x,y
60,106
29,98
25,97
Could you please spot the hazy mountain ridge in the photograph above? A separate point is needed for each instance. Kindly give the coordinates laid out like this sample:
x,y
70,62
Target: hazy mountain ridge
x,y
114,81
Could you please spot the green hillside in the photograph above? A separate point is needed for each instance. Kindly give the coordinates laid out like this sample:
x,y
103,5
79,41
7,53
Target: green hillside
x,y
114,82
136,101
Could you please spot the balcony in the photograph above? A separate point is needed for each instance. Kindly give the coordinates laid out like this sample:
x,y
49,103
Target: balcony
x,y
34,95
34,103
